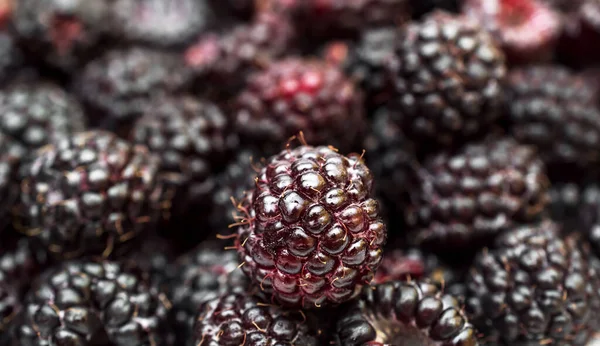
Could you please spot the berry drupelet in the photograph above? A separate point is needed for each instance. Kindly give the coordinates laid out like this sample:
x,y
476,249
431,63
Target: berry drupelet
x,y
238,319
194,140
556,111
534,286
310,232
448,77
225,60
465,198
63,34
118,85
89,194
203,275
92,303
528,30
295,95
161,23
36,114
20,263
404,313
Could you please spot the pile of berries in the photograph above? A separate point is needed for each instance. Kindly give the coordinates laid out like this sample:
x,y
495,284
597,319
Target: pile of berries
x,y
299,172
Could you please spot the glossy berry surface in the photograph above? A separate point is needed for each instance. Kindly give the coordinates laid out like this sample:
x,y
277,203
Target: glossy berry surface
x,y
404,313
237,319
534,285
554,109
193,139
311,234
89,194
448,76
37,114
90,303
117,85
295,95
476,193
204,274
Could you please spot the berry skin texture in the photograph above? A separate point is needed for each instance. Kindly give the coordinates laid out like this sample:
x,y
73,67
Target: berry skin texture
x,y
555,110
534,286
193,138
225,60
90,303
161,23
404,313
528,30
238,319
203,276
89,194
39,114
62,33
472,195
448,76
19,265
295,95
311,235
117,86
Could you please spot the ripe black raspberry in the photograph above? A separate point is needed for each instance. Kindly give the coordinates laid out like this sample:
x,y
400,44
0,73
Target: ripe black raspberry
x,y
536,287
36,114
365,61
11,156
194,140
20,263
61,33
448,77
232,185
118,85
90,303
89,194
311,233
391,158
225,60
404,313
238,319
555,110
295,95
472,195
161,22
202,276
527,30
